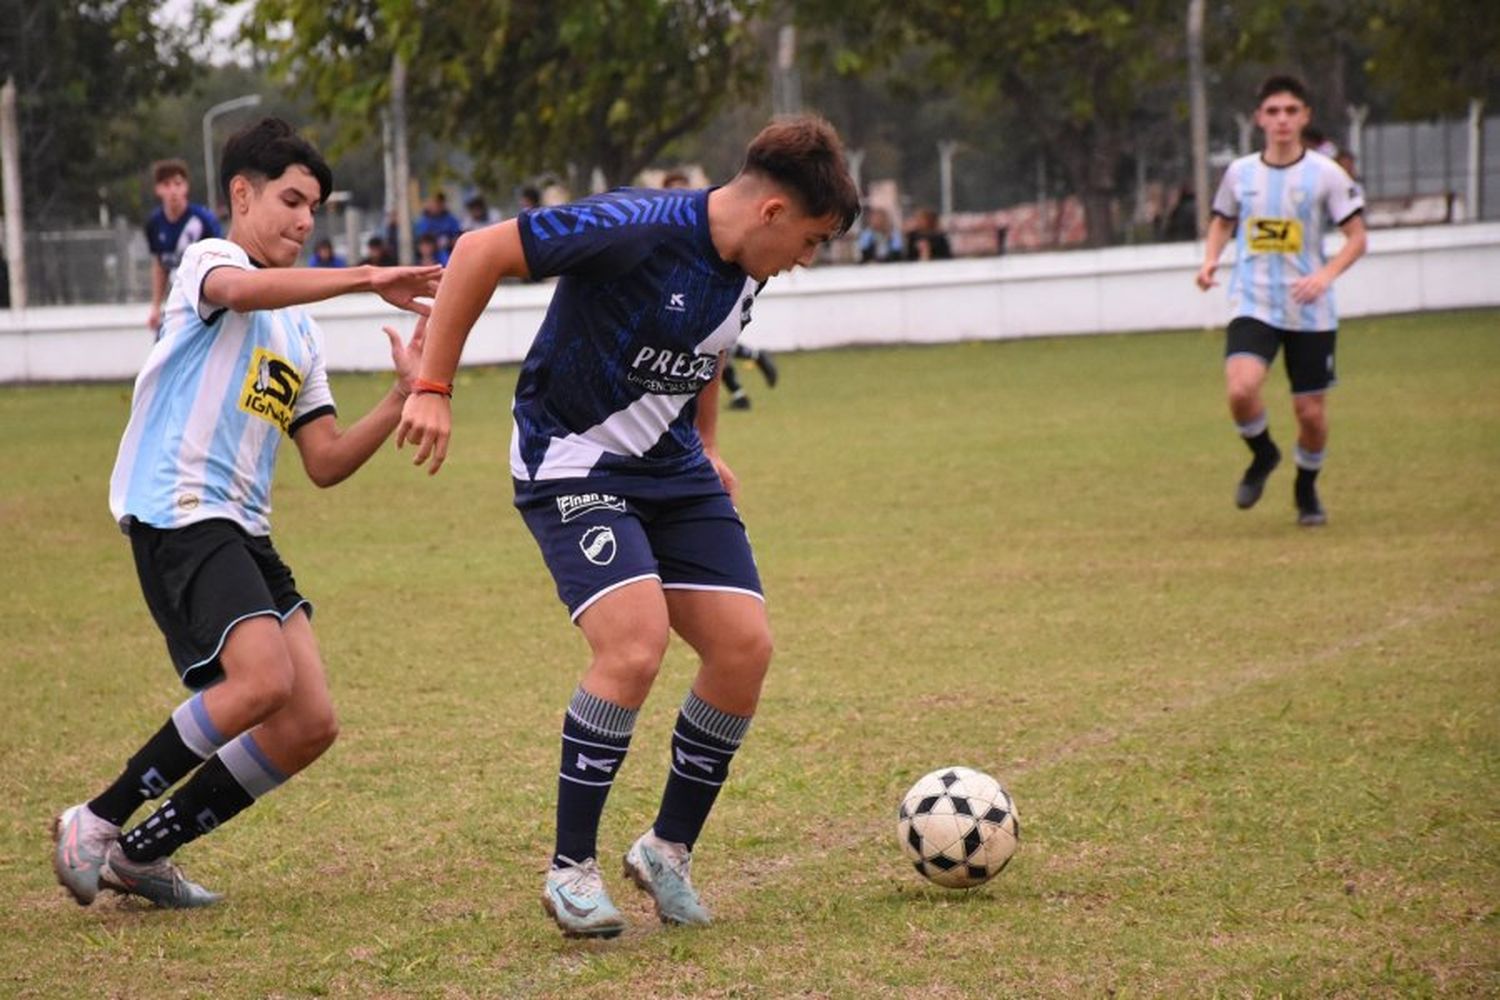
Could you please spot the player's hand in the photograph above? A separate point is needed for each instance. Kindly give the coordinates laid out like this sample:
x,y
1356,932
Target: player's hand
x,y
153,319
1205,277
407,357
726,476
400,286
1311,288
426,421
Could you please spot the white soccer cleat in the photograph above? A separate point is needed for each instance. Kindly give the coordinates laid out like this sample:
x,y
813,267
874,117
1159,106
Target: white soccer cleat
x,y
80,842
663,870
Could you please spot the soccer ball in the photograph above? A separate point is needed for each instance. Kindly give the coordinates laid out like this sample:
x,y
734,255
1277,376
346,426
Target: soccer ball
x,y
958,826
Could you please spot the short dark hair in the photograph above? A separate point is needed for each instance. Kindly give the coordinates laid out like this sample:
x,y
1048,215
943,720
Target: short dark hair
x,y
1282,83
163,170
264,150
803,153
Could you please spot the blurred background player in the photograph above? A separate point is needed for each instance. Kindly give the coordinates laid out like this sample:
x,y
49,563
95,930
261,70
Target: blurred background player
x,y
172,227
323,255
1276,205
617,472
237,366
739,399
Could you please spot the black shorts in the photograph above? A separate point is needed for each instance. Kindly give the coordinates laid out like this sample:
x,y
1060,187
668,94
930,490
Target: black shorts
x,y
1309,353
202,580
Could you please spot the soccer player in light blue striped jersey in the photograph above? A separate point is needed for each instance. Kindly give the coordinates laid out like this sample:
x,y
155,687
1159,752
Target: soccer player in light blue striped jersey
x,y
1276,205
238,366
618,478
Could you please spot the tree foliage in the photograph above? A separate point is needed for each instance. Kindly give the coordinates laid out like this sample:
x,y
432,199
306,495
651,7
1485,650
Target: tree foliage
x,y
83,71
528,85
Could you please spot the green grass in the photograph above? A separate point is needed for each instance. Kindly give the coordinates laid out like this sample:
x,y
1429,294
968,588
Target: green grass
x,y
1250,760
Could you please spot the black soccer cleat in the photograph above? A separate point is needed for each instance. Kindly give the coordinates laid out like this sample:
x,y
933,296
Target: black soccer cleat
x,y
740,402
767,366
1253,483
1310,512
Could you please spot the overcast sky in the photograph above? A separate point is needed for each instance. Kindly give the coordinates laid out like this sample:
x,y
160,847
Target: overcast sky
x,y
222,48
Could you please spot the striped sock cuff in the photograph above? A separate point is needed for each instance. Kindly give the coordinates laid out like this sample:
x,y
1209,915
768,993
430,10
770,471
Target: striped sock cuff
x,y
196,729
602,717
1312,461
720,725
1251,428
251,768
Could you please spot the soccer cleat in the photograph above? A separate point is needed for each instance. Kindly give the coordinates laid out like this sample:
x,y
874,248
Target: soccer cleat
x,y
767,366
740,402
81,839
663,870
575,897
1253,484
159,881
1310,512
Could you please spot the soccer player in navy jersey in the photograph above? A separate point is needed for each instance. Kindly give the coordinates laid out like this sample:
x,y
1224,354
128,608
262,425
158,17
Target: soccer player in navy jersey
x,y
618,476
175,225
237,369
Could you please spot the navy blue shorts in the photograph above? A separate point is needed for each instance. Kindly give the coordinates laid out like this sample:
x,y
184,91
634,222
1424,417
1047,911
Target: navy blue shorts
x,y
596,542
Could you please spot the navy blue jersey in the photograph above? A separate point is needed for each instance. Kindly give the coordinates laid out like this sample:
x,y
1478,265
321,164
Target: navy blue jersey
x,y
168,239
645,304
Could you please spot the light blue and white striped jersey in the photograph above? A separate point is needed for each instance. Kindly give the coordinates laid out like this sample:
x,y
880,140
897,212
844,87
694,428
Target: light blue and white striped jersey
x,y
1283,213
217,393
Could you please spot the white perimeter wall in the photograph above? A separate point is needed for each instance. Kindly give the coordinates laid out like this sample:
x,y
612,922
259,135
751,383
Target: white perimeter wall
x,y
1076,292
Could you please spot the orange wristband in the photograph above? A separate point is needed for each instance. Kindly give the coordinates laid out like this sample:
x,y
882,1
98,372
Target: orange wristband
x,y
427,385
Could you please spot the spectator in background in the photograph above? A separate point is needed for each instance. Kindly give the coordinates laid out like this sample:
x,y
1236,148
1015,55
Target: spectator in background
x,y
1345,159
439,223
175,225
879,240
1315,139
1182,221
478,214
429,252
529,197
377,254
323,255
925,240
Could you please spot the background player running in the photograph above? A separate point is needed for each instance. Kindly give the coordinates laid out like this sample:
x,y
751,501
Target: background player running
x,y
1277,205
617,475
237,366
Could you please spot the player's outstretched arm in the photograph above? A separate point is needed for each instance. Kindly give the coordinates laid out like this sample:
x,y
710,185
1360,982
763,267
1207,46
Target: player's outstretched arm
x,y
331,454
480,259
273,288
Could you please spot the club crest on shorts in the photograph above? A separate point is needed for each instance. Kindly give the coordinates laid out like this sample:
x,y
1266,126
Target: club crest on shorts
x,y
577,504
598,545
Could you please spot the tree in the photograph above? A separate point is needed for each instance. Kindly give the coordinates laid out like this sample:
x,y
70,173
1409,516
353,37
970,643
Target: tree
x,y
1085,76
83,71
1433,56
529,85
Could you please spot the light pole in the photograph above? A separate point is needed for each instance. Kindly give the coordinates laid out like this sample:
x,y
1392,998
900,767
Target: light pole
x,y
248,101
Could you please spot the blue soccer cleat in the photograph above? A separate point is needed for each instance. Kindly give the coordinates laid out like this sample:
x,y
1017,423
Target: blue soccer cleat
x,y
663,870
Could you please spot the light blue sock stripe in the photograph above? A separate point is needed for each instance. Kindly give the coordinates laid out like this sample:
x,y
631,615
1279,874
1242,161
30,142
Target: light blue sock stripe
x,y
721,725
1254,427
249,765
196,728
1312,461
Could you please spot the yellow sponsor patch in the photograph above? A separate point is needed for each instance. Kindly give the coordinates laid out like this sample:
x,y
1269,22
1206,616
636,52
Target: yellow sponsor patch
x,y
1274,235
271,388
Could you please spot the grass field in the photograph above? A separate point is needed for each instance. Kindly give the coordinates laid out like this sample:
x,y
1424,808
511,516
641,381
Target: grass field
x,y
1250,759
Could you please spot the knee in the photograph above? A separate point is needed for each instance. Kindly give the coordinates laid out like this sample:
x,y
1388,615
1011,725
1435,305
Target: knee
x,y
265,688
1242,392
1310,412
636,660
748,655
318,731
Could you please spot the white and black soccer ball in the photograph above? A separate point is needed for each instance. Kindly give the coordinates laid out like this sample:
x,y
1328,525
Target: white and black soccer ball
x,y
958,826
